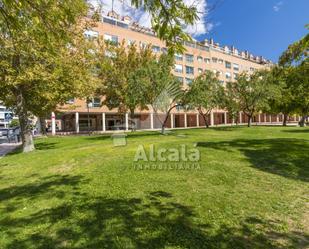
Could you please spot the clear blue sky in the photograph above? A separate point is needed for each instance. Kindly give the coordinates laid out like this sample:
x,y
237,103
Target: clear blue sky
x,y
264,27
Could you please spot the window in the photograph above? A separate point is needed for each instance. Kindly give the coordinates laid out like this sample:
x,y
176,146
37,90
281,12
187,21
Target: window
x,y
131,42
180,79
189,70
96,102
235,75
222,82
228,75
228,64
70,101
178,68
207,60
156,49
189,57
200,59
90,34
200,70
252,69
178,57
236,67
189,81
220,61
189,44
164,50
143,45
214,59
108,20
111,38
122,25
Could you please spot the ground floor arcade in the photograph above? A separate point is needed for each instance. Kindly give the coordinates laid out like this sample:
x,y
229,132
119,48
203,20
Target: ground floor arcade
x,y
79,122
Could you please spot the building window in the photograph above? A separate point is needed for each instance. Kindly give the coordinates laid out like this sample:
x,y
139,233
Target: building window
x,y
156,49
220,61
228,75
131,42
228,64
178,57
207,60
235,75
180,79
111,38
236,67
164,50
95,102
70,101
189,81
252,69
200,70
189,70
200,59
189,57
214,59
143,45
90,34
178,68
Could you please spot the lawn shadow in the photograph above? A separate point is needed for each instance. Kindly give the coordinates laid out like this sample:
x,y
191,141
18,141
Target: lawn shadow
x,y
154,220
283,156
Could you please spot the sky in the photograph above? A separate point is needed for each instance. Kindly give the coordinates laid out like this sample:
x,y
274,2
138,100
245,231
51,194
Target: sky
x,y
263,27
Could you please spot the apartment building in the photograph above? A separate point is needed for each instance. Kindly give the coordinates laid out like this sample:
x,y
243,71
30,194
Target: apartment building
x,y
228,62
5,116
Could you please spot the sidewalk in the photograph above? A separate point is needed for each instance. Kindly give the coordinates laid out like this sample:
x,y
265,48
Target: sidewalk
x,y
6,148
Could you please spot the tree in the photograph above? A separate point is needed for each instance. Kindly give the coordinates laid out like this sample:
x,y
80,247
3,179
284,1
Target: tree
x,y
284,103
296,52
296,59
164,91
41,57
205,94
252,92
124,77
299,79
230,102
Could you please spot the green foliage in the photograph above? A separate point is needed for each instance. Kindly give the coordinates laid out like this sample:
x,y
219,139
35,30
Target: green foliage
x,y
168,19
252,93
14,123
205,94
44,58
296,52
124,77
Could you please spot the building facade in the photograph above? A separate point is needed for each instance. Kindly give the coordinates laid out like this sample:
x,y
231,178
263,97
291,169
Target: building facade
x,y
6,116
226,61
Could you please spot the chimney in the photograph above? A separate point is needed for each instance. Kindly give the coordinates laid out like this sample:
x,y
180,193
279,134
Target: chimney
x,y
211,41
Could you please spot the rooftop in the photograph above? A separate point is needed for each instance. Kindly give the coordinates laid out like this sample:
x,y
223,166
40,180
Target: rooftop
x,y
128,23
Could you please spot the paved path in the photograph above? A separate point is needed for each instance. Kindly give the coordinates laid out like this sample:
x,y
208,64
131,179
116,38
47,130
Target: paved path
x,y
7,148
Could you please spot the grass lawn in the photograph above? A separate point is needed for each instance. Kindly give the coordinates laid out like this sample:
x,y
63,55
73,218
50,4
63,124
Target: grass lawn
x,y
250,191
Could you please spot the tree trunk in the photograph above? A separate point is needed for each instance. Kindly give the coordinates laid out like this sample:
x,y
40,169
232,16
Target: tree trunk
x,y
25,127
285,119
302,121
132,114
164,123
204,117
42,126
249,121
